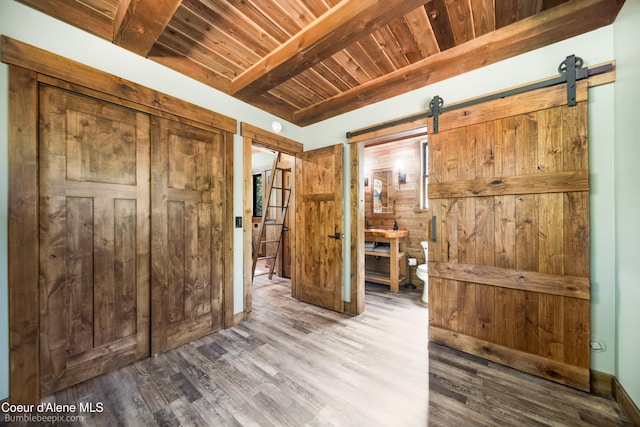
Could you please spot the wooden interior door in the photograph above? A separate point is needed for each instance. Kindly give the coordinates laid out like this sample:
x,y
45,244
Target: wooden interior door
x,y
188,209
94,237
509,268
318,228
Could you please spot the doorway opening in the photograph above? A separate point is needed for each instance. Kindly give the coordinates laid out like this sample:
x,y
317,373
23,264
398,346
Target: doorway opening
x,y
270,222
388,171
395,217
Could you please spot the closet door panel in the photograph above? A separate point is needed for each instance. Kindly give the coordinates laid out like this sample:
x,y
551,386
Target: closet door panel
x,y
188,201
94,239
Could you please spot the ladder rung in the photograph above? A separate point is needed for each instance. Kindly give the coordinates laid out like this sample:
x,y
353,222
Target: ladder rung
x,y
266,257
277,206
269,241
272,223
261,274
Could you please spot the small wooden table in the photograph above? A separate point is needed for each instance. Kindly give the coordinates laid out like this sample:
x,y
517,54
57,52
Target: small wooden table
x,y
397,240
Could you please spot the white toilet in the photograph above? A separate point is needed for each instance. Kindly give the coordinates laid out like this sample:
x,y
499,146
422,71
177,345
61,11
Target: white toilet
x,y
423,271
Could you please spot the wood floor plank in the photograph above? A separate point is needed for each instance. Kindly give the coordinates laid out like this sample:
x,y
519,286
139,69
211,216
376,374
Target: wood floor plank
x,y
294,364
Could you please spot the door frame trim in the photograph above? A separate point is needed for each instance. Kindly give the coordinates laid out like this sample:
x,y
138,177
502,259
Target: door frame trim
x,y
357,144
253,135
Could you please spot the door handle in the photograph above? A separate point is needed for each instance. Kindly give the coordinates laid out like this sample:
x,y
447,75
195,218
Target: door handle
x,y
334,236
433,228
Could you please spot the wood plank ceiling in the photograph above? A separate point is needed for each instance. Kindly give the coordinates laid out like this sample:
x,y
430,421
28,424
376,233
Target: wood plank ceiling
x,y
309,60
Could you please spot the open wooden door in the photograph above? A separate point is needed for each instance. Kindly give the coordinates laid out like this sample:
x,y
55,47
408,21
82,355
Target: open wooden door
x,y
318,228
509,257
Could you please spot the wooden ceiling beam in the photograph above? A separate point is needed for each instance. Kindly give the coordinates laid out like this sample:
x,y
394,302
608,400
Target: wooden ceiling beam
x,y
553,25
338,28
139,23
80,16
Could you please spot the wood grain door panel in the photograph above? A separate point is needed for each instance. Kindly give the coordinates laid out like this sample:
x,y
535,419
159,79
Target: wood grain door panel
x,y
188,200
319,219
509,271
94,240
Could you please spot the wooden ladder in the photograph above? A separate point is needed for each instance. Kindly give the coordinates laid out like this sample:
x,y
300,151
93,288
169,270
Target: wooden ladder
x,y
276,222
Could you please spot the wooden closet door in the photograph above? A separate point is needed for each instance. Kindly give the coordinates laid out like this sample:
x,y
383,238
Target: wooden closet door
x,y
188,205
509,268
94,237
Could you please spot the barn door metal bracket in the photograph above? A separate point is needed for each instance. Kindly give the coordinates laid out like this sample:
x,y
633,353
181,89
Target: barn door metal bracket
x,y
435,105
573,71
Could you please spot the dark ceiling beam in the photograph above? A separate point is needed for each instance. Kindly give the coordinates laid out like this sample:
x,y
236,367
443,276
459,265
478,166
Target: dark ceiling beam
x,y
553,25
139,23
332,32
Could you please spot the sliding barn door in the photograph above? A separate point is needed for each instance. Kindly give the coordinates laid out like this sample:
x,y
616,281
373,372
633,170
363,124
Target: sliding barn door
x,y
94,238
509,267
318,228
188,205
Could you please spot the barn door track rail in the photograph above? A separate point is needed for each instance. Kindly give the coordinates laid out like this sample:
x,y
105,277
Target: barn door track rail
x,y
571,70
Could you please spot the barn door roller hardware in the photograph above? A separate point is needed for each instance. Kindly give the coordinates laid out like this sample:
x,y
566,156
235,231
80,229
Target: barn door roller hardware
x,y
571,70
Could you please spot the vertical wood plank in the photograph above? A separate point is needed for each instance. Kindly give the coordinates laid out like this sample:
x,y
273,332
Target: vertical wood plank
x,y
550,233
550,147
104,275
526,141
225,294
551,327
176,241
80,273
125,267
247,232
143,235
357,229
577,332
576,234
526,257
436,292
575,136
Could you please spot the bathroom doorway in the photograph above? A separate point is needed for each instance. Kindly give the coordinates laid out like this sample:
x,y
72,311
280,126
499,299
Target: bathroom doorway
x,y
389,172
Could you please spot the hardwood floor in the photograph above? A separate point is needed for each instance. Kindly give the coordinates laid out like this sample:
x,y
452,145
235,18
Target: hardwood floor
x,y
294,364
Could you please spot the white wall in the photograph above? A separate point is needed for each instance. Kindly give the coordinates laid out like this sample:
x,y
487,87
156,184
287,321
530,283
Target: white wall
x,y
627,197
29,26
